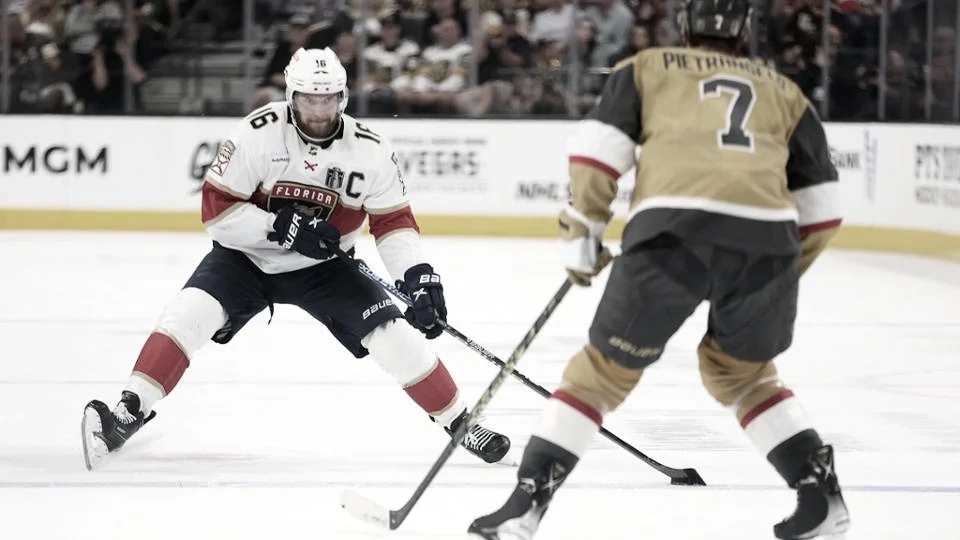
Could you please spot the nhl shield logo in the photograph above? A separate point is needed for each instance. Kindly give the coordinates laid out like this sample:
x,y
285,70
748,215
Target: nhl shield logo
x,y
334,178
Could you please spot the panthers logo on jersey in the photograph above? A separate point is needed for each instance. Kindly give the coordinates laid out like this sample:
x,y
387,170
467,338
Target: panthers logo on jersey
x,y
321,202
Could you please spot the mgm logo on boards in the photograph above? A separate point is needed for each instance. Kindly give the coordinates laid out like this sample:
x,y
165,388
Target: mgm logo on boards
x,y
55,159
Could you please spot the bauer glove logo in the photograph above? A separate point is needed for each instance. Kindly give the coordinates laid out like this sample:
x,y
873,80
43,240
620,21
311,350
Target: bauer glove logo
x,y
292,231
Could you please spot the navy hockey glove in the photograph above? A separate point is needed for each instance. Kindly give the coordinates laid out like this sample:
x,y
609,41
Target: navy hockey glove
x,y
425,290
297,229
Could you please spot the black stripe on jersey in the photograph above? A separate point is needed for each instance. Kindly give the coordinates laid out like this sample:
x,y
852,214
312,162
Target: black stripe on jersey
x,y
619,104
809,162
778,238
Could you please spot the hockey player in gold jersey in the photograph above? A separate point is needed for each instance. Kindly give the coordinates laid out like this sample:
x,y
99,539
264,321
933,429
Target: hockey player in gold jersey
x,y
734,199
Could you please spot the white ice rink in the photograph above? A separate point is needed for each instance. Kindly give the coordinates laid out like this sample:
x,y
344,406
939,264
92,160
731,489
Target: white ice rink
x,y
263,434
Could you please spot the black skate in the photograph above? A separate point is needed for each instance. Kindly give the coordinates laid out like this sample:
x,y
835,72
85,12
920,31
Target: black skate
x,y
519,517
490,446
820,507
105,431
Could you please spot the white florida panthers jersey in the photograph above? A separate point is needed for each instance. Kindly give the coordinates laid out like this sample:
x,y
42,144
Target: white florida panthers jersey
x,y
266,165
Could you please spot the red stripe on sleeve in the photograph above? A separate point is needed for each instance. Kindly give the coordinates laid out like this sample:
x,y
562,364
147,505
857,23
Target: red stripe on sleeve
x,y
599,165
347,220
215,202
381,224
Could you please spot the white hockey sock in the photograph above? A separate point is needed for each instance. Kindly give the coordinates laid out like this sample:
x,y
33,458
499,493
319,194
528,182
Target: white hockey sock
x,y
568,423
148,391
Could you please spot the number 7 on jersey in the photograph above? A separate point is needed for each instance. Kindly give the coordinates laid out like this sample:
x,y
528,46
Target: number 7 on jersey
x,y
734,136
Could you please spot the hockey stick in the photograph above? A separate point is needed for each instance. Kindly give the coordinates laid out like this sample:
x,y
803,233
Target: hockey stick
x,y
371,512
678,477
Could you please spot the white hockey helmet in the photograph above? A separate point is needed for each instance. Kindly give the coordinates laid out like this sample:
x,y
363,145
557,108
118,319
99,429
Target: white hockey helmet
x,y
316,71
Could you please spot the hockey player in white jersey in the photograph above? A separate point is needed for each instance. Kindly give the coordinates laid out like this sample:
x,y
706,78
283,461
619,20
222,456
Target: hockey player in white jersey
x,y
295,178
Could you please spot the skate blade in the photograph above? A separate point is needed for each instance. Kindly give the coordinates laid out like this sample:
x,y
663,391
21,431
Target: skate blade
x,y
94,449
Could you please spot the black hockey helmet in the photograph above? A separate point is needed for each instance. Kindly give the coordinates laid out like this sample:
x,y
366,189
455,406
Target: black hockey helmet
x,y
715,20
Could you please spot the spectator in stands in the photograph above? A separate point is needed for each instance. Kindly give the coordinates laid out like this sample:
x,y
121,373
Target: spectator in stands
x,y
903,102
799,44
101,87
385,62
441,10
502,50
645,13
367,15
502,53
941,71
847,77
47,17
272,86
794,64
521,12
612,22
589,83
80,27
553,27
345,47
152,34
37,80
665,33
284,9
639,40
224,16
328,20
440,74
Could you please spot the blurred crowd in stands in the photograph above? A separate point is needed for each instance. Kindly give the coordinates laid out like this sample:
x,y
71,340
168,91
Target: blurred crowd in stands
x,y
479,57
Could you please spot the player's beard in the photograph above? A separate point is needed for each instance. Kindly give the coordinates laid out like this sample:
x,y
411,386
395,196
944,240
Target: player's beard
x,y
316,127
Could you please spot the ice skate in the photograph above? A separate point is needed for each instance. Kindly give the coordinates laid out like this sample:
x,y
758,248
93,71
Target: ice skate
x,y
821,511
105,431
519,517
488,445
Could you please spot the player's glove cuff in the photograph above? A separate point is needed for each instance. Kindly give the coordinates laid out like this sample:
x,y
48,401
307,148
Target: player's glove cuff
x,y
581,246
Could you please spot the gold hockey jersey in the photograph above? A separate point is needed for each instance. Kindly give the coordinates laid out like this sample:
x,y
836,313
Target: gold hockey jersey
x,y
732,154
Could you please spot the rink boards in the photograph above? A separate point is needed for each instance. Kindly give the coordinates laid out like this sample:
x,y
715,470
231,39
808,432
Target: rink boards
x,y
900,184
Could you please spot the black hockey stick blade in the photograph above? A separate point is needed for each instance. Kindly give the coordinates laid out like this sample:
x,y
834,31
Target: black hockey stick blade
x,y
690,478
678,477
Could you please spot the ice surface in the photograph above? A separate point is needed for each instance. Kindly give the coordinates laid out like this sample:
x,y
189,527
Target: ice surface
x,y
263,434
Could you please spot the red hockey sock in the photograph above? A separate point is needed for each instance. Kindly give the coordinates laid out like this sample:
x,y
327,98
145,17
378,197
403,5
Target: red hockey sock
x,y
435,392
162,360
